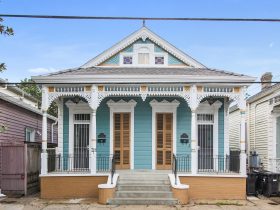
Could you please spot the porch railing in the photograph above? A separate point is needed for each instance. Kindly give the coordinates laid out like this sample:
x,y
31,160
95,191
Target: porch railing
x,y
275,165
77,163
218,164
174,168
183,163
113,168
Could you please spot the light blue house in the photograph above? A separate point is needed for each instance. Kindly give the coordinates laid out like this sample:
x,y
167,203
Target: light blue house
x,y
147,103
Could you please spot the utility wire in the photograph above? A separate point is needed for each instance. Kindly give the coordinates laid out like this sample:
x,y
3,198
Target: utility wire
x,y
139,18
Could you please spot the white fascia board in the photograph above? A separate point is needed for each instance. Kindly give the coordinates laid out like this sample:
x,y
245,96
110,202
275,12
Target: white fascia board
x,y
105,79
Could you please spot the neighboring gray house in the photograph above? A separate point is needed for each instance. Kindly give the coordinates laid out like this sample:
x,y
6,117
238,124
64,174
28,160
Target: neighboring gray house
x,y
263,124
20,140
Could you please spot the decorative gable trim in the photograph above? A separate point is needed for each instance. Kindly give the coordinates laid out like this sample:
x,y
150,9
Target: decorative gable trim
x,y
143,34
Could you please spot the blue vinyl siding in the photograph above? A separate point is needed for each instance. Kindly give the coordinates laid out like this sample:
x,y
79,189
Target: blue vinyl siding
x,y
103,126
183,126
143,134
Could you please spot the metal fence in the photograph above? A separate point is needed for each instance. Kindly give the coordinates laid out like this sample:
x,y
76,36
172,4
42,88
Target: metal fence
x,y
183,163
218,164
77,163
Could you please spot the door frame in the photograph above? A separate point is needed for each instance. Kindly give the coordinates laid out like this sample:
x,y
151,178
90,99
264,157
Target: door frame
x,y
79,108
163,107
206,108
122,106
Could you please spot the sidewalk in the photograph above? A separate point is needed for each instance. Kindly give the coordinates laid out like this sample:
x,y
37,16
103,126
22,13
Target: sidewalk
x,y
35,203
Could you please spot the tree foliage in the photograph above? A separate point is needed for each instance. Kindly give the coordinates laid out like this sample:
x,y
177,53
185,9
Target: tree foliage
x,y
29,86
5,30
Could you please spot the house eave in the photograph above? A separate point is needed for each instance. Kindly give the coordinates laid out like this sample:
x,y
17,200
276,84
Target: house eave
x,y
132,79
24,105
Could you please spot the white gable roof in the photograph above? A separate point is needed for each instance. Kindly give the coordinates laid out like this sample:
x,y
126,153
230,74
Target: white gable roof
x,y
143,33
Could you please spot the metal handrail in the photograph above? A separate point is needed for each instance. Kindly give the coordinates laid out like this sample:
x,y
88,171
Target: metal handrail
x,y
113,168
174,167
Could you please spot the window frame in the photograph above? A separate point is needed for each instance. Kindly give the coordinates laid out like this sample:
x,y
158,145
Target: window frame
x,y
32,134
143,48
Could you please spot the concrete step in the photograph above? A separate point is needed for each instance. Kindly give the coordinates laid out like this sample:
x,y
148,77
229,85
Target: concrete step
x,y
143,182
144,178
140,187
144,175
143,194
143,201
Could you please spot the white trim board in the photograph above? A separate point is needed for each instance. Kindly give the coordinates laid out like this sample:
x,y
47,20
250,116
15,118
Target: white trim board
x,y
123,106
163,107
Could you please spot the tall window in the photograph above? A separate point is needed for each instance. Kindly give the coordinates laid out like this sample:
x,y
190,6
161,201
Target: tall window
x,y
143,58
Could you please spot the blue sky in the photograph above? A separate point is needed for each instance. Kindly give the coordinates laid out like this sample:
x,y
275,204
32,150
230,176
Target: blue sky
x,y
41,46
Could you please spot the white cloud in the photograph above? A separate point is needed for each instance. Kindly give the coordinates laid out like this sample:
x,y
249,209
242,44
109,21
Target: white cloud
x,y
271,44
41,70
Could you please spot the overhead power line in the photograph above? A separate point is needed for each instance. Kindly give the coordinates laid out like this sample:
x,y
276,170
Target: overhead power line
x,y
140,18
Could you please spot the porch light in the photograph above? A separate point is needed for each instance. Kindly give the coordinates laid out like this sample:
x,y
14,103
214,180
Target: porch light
x,y
101,138
184,138
76,99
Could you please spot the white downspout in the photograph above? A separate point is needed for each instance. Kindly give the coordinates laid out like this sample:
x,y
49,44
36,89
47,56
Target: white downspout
x,y
55,123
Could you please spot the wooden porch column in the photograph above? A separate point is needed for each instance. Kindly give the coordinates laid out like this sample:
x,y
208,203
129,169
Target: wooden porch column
x,y
92,160
242,143
44,154
194,157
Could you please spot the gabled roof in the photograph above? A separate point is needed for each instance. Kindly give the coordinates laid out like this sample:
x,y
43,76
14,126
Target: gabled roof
x,y
143,33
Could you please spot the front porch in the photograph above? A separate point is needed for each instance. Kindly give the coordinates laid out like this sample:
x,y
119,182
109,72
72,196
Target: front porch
x,y
183,128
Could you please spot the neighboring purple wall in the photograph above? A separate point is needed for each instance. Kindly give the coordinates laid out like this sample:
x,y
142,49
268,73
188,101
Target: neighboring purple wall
x,y
17,119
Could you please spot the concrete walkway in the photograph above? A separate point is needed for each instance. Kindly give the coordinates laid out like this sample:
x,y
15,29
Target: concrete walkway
x,y
34,203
